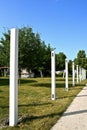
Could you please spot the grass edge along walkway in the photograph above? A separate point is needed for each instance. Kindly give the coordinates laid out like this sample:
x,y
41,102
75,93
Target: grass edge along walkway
x,y
75,117
39,112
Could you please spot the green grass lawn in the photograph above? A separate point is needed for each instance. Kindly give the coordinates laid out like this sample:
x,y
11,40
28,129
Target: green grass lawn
x,y
39,112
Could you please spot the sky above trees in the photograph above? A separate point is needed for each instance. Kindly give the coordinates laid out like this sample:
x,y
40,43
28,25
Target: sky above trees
x,y
62,23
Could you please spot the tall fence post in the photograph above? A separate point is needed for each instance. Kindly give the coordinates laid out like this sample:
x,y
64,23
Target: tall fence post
x,y
77,73
73,74
13,106
80,74
66,69
52,75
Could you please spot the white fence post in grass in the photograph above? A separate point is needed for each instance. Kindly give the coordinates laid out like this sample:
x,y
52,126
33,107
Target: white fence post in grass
x,y
13,108
52,75
73,74
80,74
84,74
77,73
66,69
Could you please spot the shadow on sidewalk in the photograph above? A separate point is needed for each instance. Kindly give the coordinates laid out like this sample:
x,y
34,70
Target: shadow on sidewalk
x,y
75,112
81,95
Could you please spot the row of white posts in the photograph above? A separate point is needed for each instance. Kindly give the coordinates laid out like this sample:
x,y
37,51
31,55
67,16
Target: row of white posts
x,y
80,74
13,109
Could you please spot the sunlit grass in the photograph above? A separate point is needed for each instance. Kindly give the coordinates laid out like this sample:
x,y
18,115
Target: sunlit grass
x,y
39,112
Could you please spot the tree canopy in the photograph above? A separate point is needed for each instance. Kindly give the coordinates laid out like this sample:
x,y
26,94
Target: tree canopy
x,y
34,54
81,59
60,61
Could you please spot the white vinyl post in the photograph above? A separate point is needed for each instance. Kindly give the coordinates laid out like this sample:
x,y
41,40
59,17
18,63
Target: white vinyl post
x,y
82,70
80,74
77,73
52,75
13,108
73,74
66,69
85,73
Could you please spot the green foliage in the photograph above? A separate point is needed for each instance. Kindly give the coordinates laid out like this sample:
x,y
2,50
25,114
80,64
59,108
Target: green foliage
x,y
81,59
81,54
4,49
33,53
70,67
60,61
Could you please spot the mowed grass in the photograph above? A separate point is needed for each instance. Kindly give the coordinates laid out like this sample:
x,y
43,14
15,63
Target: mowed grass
x,y
39,112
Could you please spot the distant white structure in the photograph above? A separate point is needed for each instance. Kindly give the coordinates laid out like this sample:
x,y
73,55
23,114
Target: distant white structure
x,y
26,74
64,73
57,72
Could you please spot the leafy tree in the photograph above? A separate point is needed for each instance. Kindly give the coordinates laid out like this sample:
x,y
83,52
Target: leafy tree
x,y
70,67
47,61
4,49
33,53
81,54
81,59
60,61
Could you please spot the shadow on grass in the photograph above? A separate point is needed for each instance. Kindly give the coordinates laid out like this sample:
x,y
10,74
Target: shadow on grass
x,y
4,81
2,97
24,81
27,105
3,106
79,84
34,104
30,118
48,85
62,79
1,91
71,96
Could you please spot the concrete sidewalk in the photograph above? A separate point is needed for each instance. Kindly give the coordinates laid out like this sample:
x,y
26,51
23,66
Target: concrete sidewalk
x,y
75,117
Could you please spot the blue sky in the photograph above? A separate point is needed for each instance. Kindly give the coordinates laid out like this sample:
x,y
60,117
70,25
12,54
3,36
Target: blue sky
x,y
62,23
